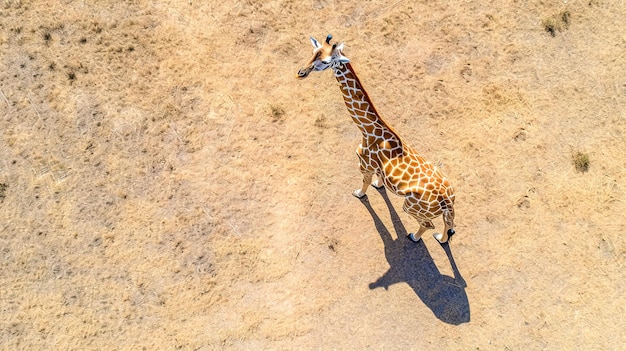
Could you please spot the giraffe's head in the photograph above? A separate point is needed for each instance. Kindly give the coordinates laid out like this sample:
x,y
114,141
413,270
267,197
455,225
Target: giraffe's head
x,y
324,56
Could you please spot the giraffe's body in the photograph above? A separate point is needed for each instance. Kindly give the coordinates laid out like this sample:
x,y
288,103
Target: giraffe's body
x,y
428,194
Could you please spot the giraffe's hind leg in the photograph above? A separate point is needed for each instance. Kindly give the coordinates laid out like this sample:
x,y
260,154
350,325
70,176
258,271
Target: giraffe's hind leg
x,y
425,224
448,222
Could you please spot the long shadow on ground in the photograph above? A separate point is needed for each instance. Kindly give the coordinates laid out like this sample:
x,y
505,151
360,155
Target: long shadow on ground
x,y
411,263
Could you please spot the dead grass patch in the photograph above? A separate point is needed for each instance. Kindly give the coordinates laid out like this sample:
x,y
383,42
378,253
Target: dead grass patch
x,y
183,190
557,23
320,121
278,113
581,161
3,189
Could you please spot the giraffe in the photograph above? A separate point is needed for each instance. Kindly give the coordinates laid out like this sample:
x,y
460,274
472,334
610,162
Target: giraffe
x,y
398,167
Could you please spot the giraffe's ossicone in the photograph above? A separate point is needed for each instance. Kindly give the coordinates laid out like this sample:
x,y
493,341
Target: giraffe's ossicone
x,y
428,194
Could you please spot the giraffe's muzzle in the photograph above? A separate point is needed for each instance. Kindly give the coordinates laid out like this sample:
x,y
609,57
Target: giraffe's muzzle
x,y
304,72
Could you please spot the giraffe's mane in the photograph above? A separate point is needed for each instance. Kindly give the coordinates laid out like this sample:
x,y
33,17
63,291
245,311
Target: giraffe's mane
x,y
369,101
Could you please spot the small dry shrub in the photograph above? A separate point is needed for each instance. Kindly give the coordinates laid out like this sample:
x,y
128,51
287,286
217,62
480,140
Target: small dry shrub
x,y
520,134
558,22
278,113
581,161
3,189
320,121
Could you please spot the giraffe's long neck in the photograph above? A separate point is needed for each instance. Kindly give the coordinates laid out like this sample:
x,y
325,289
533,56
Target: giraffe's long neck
x,y
360,106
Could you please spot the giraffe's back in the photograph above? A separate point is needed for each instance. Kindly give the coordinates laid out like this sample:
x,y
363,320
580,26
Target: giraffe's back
x,y
410,175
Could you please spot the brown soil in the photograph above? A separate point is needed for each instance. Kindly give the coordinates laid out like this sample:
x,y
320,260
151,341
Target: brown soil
x,y
167,183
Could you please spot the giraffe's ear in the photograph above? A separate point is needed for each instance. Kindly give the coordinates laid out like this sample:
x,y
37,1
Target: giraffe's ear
x,y
315,43
340,57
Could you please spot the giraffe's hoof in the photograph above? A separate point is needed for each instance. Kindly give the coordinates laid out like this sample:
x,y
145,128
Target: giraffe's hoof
x,y
358,193
378,185
438,237
411,237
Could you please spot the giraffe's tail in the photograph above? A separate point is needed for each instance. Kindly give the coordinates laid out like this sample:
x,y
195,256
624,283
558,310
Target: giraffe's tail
x,y
447,204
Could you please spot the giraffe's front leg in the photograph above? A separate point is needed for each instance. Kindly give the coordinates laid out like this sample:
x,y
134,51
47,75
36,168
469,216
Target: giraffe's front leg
x,y
366,169
367,179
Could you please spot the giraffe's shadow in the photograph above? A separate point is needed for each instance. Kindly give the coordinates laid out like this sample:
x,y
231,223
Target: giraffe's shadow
x,y
411,263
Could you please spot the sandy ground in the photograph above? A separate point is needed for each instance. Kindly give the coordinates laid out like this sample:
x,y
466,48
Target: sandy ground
x,y
167,183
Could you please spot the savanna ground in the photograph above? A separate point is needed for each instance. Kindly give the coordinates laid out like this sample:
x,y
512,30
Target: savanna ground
x,y
167,183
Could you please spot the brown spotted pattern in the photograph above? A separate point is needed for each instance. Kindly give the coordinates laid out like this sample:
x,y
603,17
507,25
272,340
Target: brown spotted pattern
x,y
428,194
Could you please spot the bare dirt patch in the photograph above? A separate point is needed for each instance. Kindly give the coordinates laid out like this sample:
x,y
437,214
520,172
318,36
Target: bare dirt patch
x,y
168,183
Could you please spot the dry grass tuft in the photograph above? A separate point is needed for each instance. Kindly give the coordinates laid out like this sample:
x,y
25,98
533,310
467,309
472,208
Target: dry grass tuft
x,y
165,182
3,189
320,121
278,113
581,161
557,23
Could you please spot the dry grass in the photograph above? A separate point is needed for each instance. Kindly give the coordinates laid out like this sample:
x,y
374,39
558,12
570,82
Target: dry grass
x,y
3,189
278,113
167,183
557,23
581,161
